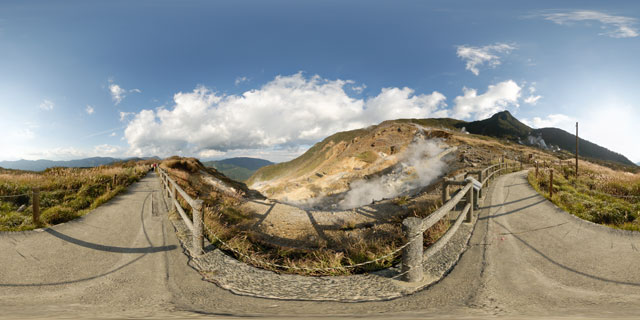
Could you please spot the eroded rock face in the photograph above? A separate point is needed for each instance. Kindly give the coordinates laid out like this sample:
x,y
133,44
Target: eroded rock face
x,y
337,162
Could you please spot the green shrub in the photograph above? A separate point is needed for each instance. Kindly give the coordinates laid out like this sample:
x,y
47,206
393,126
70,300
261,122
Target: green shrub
x,y
80,202
11,220
58,214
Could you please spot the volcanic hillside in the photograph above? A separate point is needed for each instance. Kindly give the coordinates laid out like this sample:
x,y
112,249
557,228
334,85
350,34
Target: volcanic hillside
x,y
331,165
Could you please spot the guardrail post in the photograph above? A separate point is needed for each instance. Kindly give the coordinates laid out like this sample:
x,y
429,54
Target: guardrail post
x,y
173,192
412,253
35,202
470,199
480,176
445,191
166,188
198,228
551,183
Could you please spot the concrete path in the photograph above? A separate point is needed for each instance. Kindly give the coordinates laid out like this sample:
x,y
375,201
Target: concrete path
x,y
526,259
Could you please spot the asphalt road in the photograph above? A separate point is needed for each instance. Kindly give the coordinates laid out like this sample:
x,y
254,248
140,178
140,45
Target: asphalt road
x,y
526,259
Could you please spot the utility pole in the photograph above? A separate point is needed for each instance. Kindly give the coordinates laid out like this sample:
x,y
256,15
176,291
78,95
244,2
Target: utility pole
x,y
576,150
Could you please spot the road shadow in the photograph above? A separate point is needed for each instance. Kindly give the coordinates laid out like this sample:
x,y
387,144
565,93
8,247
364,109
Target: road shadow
x,y
510,202
101,247
512,211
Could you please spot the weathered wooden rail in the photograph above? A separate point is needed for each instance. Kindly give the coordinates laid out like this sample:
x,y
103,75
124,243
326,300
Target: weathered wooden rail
x,y
172,190
414,228
413,251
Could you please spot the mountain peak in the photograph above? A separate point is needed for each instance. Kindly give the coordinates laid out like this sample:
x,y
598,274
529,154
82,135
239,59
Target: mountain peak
x,y
503,115
502,125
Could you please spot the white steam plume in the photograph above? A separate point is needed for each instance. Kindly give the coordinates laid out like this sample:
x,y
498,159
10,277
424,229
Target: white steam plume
x,y
419,167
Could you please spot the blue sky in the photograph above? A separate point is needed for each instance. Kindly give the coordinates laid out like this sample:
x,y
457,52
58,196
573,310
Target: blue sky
x,y
215,79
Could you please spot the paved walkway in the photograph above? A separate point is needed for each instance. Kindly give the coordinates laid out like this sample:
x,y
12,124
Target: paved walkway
x,y
526,257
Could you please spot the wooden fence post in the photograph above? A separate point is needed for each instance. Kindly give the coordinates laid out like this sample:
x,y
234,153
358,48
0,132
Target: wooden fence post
x,y
173,192
412,253
445,191
551,183
480,191
198,228
471,202
166,189
35,201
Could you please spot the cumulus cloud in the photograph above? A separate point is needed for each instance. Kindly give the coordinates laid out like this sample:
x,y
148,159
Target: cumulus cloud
x,y
89,109
613,26
497,98
553,120
287,111
47,105
532,99
118,93
478,56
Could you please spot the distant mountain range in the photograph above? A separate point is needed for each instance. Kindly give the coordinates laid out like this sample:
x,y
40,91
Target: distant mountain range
x,y
239,169
506,126
39,165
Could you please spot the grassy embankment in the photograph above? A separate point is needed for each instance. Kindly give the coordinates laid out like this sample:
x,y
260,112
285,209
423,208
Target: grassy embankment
x,y
600,195
65,193
337,246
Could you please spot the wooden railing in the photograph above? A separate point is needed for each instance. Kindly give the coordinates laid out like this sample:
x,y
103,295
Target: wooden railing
x,y
172,190
414,228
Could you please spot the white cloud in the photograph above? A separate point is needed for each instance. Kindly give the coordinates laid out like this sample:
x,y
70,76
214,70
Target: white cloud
x,y
47,105
478,56
395,103
89,109
497,98
240,80
553,120
113,134
60,153
287,111
532,99
614,26
118,93
359,89
210,153
106,150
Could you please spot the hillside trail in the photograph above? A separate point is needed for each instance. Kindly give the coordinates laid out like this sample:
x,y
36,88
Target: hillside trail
x,y
525,259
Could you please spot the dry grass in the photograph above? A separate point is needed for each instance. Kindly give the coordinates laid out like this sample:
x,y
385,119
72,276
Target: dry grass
x,y
65,193
600,194
335,248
